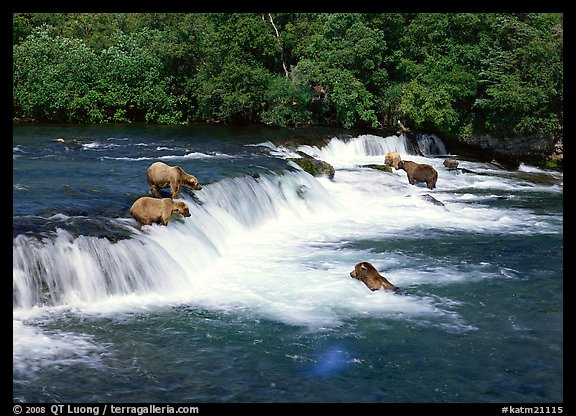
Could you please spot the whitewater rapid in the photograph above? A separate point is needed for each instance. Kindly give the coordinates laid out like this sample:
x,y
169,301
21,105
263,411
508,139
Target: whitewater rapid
x,y
281,246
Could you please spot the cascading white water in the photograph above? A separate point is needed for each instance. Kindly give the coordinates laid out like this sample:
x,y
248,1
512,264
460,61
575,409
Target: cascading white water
x,y
364,145
367,148
355,151
68,270
273,244
431,145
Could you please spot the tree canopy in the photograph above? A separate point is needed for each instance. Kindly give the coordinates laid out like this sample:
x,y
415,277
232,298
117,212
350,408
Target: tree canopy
x,y
458,74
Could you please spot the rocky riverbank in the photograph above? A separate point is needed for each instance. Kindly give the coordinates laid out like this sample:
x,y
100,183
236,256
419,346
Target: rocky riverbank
x,y
509,152
543,151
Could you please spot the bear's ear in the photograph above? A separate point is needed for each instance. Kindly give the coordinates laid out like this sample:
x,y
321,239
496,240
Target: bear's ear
x,y
363,267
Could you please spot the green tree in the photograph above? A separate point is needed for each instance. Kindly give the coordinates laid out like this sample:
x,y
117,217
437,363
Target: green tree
x,y
522,76
344,60
439,65
53,78
287,103
61,79
240,57
21,27
458,74
132,81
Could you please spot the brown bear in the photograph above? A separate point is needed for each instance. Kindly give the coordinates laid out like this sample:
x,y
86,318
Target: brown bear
x,y
368,274
392,159
160,175
419,172
450,163
147,210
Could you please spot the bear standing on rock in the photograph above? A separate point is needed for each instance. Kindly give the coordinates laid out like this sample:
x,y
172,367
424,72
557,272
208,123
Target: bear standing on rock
x,y
160,175
392,159
147,210
419,172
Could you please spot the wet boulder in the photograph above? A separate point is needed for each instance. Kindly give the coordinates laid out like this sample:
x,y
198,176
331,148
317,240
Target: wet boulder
x,y
429,198
313,166
384,168
432,200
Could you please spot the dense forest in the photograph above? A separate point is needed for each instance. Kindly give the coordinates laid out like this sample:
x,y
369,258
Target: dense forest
x,y
458,74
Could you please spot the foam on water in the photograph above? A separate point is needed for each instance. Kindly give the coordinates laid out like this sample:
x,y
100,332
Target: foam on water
x,y
196,155
364,149
34,347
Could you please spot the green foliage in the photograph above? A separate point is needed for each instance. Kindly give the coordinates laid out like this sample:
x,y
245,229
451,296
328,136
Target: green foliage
x,y
286,103
390,104
344,59
346,42
53,77
61,79
234,94
133,85
21,27
458,74
521,77
439,95
439,69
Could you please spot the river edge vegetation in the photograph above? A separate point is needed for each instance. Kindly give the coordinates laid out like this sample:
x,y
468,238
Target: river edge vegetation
x,y
460,75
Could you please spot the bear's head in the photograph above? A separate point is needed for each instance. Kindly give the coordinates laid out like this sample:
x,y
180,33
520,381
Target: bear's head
x,y
192,183
361,270
179,207
187,180
368,274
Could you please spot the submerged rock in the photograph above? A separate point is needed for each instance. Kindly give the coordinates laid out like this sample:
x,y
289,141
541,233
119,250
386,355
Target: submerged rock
x,y
384,168
430,198
458,171
313,166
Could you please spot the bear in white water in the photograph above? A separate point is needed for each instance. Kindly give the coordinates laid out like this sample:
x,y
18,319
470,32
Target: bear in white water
x,y
419,172
392,159
368,274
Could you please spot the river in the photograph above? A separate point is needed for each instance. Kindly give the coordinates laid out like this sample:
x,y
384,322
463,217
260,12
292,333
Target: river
x,y
250,298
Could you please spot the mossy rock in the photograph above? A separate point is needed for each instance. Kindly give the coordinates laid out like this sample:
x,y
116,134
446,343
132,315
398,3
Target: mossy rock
x,y
384,168
313,166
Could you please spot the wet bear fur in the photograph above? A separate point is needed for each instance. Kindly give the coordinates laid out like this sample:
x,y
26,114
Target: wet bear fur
x,y
160,175
368,274
147,210
392,159
419,172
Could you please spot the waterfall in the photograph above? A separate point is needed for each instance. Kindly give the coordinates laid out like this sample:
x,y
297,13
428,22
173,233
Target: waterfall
x,y
75,269
370,148
64,270
365,145
431,145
